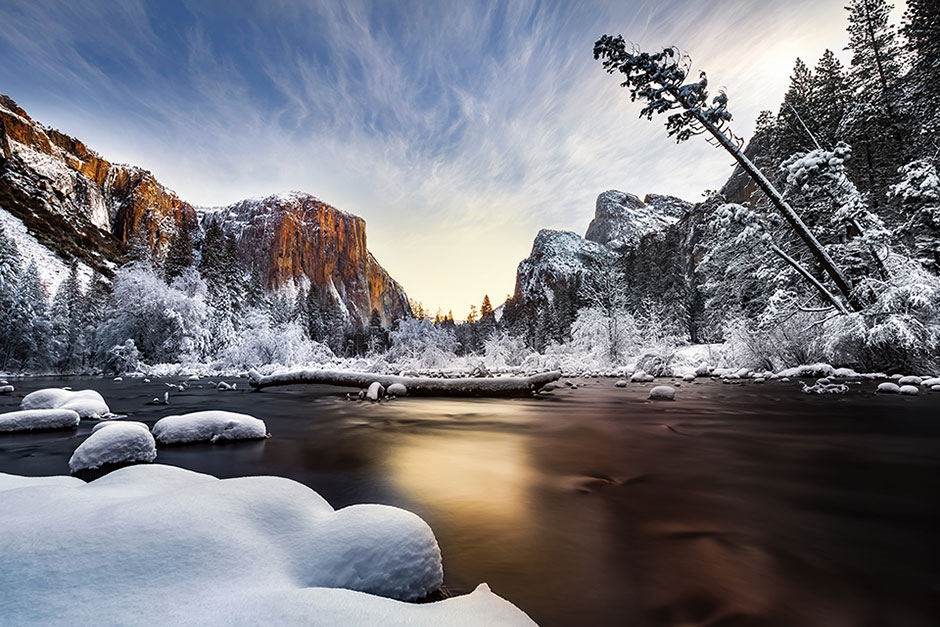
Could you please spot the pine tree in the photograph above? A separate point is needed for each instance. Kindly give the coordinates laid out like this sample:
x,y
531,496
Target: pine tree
x,y
829,96
179,255
793,134
68,323
921,28
487,323
876,57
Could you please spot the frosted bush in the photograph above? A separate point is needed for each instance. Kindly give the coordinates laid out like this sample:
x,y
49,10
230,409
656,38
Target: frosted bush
x,y
420,345
262,342
501,350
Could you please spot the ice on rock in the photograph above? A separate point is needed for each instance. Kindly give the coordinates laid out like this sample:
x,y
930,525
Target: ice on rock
x,y
375,391
208,426
119,443
397,389
909,390
179,547
909,381
663,393
88,403
888,388
39,419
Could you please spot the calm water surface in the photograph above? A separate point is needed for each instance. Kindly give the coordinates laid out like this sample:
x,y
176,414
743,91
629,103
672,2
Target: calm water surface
x,y
735,505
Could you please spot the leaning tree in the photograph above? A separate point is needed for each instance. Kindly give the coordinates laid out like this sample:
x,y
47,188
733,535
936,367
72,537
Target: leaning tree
x,y
659,80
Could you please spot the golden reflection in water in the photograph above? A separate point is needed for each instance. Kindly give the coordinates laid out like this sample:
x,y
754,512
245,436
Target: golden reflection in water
x,y
479,478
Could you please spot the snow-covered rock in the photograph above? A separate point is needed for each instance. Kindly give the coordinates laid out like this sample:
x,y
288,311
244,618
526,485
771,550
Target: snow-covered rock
x,y
663,393
119,443
641,377
930,382
689,378
909,390
824,387
935,388
397,389
39,419
910,380
888,388
375,391
108,423
178,547
703,370
88,403
620,384
208,426
6,389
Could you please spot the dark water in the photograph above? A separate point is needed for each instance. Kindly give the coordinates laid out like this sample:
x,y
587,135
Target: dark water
x,y
735,505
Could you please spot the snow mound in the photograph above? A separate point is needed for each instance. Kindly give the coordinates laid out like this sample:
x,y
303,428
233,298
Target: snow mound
x,y
663,393
108,423
910,390
179,547
208,426
888,388
397,389
120,443
931,382
88,403
641,377
909,381
37,419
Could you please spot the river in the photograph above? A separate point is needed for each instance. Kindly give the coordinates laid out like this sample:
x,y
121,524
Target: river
x,y
737,504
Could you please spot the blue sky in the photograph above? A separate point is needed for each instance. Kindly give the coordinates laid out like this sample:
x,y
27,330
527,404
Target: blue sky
x,y
456,129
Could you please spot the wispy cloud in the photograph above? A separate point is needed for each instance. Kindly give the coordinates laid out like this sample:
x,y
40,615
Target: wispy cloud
x,y
456,129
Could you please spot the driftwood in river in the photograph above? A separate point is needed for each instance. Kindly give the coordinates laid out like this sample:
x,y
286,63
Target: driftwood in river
x,y
417,386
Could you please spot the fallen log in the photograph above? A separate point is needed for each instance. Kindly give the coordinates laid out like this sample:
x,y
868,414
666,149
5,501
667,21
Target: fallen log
x,y
417,386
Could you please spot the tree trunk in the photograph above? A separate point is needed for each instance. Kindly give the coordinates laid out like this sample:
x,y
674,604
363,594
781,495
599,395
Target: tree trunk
x,y
417,386
819,253
829,296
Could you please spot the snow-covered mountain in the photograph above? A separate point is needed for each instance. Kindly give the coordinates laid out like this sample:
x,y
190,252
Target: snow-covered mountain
x,y
63,203
560,259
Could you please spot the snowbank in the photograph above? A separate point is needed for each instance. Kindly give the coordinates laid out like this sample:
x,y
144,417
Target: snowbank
x,y
37,419
208,426
88,403
120,443
154,544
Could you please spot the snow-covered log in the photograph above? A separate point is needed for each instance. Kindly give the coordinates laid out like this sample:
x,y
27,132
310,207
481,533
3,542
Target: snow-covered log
x,y
417,386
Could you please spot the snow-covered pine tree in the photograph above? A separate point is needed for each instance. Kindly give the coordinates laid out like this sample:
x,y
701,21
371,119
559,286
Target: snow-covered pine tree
x,y
68,323
658,79
179,255
918,195
921,28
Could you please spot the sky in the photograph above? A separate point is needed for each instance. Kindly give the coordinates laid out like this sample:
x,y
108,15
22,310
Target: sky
x,y
457,129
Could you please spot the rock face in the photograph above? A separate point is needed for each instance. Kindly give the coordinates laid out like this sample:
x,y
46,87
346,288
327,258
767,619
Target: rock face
x,y
86,209
621,219
307,238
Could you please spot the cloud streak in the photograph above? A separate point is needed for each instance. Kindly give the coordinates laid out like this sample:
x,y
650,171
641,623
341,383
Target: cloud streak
x,y
456,129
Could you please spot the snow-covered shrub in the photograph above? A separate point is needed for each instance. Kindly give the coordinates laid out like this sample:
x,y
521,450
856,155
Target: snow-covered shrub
x,y
502,350
261,342
606,339
420,345
122,358
791,341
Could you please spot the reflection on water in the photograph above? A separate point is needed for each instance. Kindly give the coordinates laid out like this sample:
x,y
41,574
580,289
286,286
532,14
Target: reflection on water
x,y
735,505
482,478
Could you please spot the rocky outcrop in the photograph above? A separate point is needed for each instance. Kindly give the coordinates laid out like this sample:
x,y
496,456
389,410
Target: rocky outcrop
x,y
621,219
85,208
306,238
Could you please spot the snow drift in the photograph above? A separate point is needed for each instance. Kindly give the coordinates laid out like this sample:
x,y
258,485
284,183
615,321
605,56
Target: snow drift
x,y
157,544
